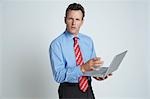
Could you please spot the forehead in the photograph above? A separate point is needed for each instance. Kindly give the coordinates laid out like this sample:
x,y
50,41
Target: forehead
x,y
74,13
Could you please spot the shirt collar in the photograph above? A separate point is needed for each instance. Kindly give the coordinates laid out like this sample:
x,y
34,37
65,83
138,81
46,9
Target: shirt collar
x,y
71,36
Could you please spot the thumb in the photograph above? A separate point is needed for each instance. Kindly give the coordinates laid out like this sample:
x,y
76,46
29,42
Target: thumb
x,y
96,58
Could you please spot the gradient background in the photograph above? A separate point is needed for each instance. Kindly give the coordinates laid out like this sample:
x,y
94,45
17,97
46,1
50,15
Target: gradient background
x,y
28,26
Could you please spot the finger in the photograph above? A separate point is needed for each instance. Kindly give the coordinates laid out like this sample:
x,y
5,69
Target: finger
x,y
101,62
92,68
99,78
96,58
106,77
109,74
97,63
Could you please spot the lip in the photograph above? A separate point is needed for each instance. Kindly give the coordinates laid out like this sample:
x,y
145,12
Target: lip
x,y
73,27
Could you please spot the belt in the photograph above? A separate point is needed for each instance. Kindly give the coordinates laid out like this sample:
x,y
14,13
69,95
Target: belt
x,y
73,84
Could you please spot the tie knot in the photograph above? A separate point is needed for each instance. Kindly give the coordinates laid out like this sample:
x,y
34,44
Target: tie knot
x,y
75,39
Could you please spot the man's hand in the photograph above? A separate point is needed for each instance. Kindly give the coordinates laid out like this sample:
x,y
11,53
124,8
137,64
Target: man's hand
x,y
100,78
92,64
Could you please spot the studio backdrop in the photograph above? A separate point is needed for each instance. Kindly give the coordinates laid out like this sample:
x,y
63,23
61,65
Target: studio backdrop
x,y
27,28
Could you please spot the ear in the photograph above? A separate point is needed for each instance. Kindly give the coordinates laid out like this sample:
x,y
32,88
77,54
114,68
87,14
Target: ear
x,y
82,22
65,20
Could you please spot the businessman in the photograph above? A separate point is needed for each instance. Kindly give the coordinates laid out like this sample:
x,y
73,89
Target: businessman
x,y
71,55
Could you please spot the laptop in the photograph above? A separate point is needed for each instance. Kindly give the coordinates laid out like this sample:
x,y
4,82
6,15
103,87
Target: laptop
x,y
104,71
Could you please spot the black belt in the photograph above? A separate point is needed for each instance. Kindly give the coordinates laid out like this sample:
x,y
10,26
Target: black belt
x,y
73,84
69,84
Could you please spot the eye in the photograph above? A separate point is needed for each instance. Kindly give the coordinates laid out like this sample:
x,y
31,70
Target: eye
x,y
69,18
78,19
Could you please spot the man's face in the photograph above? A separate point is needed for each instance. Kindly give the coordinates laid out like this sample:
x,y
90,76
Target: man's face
x,y
74,21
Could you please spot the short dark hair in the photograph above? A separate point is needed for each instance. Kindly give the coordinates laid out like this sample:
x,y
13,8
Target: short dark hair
x,y
75,6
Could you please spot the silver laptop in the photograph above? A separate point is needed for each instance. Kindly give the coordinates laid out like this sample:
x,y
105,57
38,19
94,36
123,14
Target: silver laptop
x,y
104,71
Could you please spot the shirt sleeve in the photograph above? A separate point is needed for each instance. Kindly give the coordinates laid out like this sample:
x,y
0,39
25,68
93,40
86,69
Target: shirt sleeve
x,y
93,54
60,71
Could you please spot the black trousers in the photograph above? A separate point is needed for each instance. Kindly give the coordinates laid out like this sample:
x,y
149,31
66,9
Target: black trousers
x,y
72,91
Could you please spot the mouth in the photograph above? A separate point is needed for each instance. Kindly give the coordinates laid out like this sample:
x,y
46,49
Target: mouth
x,y
73,27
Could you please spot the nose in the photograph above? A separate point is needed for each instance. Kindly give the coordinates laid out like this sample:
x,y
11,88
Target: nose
x,y
73,22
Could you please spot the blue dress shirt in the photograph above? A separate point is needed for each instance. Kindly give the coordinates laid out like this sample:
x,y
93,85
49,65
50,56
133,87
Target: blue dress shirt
x,y
62,56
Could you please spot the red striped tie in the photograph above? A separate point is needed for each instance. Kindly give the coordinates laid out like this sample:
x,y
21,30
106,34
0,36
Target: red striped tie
x,y
83,81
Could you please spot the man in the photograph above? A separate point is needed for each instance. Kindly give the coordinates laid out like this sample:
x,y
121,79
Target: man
x,y
71,55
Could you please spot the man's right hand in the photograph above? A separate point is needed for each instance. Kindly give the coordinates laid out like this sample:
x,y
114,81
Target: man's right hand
x,y
92,64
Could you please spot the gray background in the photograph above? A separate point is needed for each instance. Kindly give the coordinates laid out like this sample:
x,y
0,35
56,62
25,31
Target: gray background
x,y
28,26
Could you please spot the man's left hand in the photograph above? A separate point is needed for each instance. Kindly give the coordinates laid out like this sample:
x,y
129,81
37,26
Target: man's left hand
x,y
100,78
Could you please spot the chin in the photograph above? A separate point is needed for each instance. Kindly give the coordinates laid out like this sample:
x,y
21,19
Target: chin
x,y
73,32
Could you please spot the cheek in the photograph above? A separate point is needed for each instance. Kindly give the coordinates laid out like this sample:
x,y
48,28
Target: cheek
x,y
68,23
79,25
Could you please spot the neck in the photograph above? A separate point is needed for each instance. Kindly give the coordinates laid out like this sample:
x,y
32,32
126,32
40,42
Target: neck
x,y
74,34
